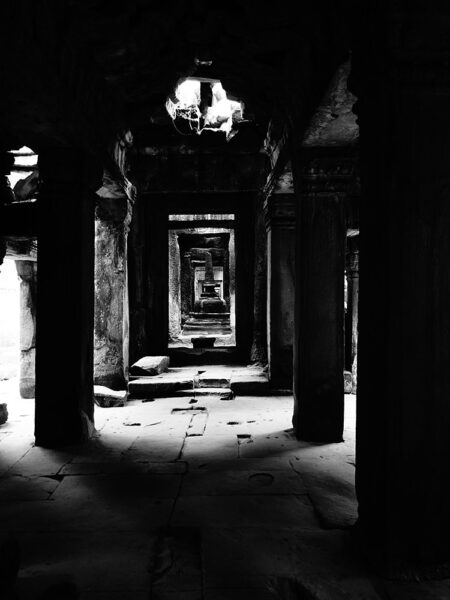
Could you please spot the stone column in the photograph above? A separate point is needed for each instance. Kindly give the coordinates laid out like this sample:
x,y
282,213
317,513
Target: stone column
x,y
280,224
65,298
259,345
403,449
351,318
111,328
6,193
319,301
27,272
186,285
174,286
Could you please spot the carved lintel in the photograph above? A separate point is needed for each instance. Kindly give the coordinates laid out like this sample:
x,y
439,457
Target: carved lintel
x,y
328,172
280,211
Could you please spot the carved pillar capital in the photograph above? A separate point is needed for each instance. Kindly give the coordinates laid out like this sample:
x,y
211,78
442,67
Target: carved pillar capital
x,y
114,204
280,211
327,171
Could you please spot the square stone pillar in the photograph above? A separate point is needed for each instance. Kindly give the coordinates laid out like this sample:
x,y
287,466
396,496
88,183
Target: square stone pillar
x,y
319,298
403,420
65,298
280,224
111,323
351,317
27,272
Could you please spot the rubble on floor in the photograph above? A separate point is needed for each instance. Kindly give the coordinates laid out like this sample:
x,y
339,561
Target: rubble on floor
x,y
107,398
251,380
150,365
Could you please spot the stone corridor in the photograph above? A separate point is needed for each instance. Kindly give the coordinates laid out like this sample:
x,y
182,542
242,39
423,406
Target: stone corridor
x,y
168,501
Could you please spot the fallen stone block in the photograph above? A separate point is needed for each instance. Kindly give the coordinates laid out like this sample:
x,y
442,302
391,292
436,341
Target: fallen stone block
x,y
3,413
107,398
150,365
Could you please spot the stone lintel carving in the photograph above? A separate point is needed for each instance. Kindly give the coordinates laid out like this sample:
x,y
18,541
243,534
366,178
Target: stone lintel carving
x,y
328,172
280,211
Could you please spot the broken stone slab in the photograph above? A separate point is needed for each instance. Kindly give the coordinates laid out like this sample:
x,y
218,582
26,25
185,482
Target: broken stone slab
x,y
3,413
150,365
348,382
107,398
249,384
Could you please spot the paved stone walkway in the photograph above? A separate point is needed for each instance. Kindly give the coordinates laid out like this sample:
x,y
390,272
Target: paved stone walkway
x,y
212,500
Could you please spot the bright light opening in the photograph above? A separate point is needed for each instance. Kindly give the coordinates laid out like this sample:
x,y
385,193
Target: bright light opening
x,y
221,114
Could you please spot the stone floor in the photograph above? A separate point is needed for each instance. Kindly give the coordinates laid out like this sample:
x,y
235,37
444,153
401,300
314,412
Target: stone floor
x,y
174,500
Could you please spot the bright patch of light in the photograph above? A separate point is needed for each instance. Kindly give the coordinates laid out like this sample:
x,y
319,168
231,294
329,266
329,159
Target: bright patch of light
x,y
24,157
220,116
25,166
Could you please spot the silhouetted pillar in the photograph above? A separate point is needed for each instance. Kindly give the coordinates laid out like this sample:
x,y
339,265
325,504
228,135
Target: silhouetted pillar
x,y
319,304
351,318
6,193
174,286
27,272
111,323
186,285
259,345
65,298
280,223
403,449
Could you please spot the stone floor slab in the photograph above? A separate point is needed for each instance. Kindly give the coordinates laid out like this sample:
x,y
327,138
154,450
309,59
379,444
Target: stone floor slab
x,y
253,511
206,482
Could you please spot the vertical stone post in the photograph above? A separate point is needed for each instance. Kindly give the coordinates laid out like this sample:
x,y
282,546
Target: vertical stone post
x,y
259,345
111,329
351,320
280,224
403,449
27,272
6,193
186,286
65,298
319,301
174,286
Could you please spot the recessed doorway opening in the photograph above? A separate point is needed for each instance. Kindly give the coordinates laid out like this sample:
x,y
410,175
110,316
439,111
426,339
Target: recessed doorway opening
x,y
202,281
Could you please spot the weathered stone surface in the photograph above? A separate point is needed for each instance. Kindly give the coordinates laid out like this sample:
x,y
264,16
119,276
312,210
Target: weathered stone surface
x,y
107,398
158,387
3,413
211,379
348,382
249,384
216,392
27,272
150,365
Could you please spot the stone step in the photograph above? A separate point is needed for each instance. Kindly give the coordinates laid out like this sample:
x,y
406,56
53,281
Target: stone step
x,y
251,384
145,387
204,326
203,392
209,315
213,380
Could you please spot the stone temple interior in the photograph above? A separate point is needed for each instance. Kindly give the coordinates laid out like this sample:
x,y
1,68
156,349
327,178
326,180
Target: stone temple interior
x,y
224,300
